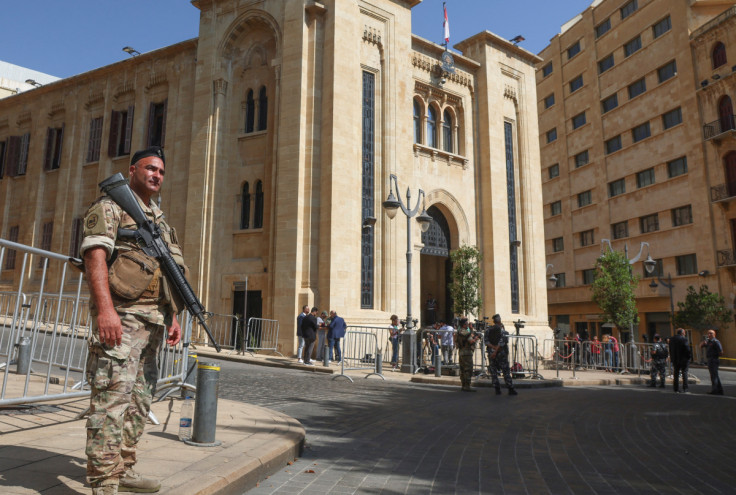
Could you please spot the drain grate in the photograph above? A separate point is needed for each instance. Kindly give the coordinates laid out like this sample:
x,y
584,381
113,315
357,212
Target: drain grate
x,y
28,409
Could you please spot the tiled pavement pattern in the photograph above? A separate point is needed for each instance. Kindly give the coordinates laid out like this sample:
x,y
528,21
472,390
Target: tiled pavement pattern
x,y
375,437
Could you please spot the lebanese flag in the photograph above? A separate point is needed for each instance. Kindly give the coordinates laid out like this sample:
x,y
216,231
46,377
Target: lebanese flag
x,y
446,24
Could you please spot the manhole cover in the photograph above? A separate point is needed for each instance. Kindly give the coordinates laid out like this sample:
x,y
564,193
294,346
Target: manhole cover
x,y
17,410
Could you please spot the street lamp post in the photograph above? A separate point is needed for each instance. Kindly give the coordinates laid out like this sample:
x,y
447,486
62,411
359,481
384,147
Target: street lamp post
x,y
649,266
391,205
669,285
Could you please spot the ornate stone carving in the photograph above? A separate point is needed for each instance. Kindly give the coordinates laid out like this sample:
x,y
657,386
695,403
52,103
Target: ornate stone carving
x,y
219,86
372,35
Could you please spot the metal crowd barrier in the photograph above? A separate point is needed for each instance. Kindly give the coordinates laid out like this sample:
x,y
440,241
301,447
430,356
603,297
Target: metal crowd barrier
x,y
261,335
360,351
224,329
56,327
429,344
524,355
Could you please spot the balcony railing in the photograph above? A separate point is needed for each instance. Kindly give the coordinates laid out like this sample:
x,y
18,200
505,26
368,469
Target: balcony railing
x,y
720,126
723,192
726,257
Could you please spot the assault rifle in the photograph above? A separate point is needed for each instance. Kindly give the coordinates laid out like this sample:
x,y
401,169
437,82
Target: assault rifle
x,y
148,237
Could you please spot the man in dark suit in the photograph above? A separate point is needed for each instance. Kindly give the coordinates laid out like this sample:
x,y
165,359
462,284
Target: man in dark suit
x,y
680,357
335,333
309,333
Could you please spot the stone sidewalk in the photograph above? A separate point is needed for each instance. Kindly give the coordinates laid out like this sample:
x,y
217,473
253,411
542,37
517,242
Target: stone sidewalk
x,y
42,448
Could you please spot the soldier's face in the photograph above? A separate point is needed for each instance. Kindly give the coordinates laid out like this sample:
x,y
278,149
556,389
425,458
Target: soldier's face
x,y
147,176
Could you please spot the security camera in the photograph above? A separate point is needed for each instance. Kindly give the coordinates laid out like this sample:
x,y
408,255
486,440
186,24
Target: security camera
x,y
443,80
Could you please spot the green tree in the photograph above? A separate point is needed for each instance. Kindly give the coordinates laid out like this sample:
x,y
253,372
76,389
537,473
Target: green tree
x,y
613,289
465,283
702,309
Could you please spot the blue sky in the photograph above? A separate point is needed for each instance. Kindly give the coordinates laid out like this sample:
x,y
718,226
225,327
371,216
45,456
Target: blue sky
x,y
64,38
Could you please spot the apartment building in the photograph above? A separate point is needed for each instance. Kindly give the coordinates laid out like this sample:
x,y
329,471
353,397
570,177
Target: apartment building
x,y
626,163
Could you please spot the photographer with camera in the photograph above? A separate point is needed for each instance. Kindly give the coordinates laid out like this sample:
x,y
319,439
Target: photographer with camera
x,y
497,346
465,340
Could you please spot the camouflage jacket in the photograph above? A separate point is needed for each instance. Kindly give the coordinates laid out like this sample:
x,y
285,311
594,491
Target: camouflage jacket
x,y
101,223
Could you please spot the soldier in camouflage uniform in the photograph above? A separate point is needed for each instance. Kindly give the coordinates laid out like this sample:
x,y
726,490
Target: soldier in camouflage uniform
x,y
465,340
659,353
497,344
131,307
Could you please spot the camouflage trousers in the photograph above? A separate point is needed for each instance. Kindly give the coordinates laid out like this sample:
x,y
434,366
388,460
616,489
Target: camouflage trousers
x,y
500,364
465,357
123,381
657,368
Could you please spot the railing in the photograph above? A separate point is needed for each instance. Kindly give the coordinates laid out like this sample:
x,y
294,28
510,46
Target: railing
x,y
261,335
723,192
718,127
43,336
359,352
726,257
224,329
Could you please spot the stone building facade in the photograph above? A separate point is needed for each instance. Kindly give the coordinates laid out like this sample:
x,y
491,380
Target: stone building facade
x,y
282,123
625,158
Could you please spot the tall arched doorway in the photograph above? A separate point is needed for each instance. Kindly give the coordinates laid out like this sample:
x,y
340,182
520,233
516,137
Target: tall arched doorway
x,y
435,268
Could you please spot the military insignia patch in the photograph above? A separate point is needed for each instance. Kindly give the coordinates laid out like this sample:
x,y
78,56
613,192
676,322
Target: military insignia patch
x,y
92,221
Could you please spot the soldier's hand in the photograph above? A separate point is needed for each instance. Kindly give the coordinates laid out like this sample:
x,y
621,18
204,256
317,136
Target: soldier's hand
x,y
174,332
110,328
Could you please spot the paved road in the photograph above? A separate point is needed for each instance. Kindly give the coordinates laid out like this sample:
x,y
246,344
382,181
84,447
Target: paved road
x,y
376,437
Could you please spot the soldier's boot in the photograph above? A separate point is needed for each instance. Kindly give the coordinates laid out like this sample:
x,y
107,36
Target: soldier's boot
x,y
111,488
662,384
512,391
136,483
653,384
498,390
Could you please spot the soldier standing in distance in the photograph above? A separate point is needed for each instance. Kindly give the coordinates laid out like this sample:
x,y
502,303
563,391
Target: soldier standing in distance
x,y
497,344
465,341
130,308
659,354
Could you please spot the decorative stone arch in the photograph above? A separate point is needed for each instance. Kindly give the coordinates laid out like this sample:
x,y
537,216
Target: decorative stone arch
x,y
247,22
453,212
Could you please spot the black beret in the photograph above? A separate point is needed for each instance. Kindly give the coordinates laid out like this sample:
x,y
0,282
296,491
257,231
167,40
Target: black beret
x,y
152,151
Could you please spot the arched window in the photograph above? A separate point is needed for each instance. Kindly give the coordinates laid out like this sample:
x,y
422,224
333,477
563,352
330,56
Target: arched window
x,y
447,131
417,123
432,127
250,111
245,207
725,114
258,213
719,55
262,109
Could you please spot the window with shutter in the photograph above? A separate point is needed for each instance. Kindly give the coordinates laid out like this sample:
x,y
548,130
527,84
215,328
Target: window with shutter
x,y
258,213
245,207
76,237
262,109
156,124
47,232
128,131
95,139
11,253
250,112
52,156
114,138
3,147
13,155
25,141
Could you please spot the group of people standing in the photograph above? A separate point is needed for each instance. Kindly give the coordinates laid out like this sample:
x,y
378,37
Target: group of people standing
x,y
328,329
579,351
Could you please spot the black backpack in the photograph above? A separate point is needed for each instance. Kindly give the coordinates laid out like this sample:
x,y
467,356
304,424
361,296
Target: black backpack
x,y
661,351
